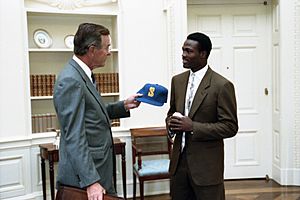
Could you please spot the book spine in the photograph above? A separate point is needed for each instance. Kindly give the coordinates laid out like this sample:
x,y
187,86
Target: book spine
x,y
31,85
101,82
48,121
43,84
48,85
34,87
117,81
110,83
106,75
39,85
44,123
115,122
97,78
53,77
33,123
54,121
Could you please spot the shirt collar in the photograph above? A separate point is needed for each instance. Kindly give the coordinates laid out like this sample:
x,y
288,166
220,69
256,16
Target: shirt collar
x,y
84,67
200,73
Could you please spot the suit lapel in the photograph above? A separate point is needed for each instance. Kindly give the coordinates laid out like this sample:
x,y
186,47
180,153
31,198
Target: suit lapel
x,y
201,92
182,88
90,87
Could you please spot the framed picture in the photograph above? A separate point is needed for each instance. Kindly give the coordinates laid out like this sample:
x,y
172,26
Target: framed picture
x,y
42,39
69,41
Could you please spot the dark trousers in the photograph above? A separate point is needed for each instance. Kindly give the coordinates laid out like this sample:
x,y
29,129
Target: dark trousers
x,y
183,187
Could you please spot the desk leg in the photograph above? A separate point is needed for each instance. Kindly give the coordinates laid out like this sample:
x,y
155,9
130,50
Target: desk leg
x,y
124,173
51,171
43,177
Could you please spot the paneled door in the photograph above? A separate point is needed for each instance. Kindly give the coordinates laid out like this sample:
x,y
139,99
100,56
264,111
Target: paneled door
x,y
241,52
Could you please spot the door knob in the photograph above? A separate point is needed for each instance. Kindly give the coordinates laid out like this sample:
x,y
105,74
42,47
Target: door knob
x,y
266,91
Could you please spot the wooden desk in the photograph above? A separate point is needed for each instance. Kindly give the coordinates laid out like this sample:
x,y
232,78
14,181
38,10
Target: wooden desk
x,y
120,150
50,153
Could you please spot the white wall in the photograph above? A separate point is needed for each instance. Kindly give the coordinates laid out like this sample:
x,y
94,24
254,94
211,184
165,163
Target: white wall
x,y
14,96
143,41
288,171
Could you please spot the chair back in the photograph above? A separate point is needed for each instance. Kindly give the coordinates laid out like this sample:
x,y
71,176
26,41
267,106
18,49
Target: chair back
x,y
150,141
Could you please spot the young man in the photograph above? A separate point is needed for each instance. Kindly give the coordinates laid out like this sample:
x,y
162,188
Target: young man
x,y
202,113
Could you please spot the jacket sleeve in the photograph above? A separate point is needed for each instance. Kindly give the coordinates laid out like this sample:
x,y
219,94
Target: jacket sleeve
x,y
117,110
226,124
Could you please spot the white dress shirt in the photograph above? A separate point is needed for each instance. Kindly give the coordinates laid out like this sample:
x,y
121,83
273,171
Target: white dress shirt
x,y
84,67
197,80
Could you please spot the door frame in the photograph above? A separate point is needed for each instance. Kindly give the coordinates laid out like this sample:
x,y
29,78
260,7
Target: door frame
x,y
177,21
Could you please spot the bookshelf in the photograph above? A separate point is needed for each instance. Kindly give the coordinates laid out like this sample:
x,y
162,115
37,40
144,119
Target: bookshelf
x,y
45,63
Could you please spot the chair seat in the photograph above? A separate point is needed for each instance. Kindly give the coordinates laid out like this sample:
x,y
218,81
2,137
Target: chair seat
x,y
153,167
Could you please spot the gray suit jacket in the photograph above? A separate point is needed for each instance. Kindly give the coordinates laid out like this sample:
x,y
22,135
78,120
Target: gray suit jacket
x,y
86,146
214,116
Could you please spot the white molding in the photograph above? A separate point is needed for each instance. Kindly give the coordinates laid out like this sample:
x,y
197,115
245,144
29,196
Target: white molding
x,y
296,147
16,179
71,5
290,176
15,166
103,7
286,176
33,140
220,2
31,196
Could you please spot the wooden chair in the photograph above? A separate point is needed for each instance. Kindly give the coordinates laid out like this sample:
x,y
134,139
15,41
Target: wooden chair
x,y
154,143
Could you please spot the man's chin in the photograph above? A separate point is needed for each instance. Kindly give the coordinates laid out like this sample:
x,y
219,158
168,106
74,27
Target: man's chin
x,y
186,66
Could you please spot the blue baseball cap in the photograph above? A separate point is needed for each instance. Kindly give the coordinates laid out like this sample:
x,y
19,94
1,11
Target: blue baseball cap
x,y
153,94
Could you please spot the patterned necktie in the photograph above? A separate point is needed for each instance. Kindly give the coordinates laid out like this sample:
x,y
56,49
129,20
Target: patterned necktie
x,y
189,102
93,77
94,81
191,92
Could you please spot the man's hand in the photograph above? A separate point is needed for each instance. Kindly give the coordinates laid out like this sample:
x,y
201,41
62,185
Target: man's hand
x,y
131,102
180,124
95,192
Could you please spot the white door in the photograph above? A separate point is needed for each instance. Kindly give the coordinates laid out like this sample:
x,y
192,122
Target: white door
x,y
241,52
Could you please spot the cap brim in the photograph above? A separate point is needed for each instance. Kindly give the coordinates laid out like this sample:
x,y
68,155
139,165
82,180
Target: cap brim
x,y
154,103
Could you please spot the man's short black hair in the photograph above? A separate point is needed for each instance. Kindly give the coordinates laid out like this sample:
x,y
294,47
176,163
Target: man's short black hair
x,y
204,43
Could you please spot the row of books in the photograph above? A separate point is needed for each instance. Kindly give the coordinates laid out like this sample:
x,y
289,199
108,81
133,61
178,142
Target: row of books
x,y
115,122
48,122
44,122
42,84
107,82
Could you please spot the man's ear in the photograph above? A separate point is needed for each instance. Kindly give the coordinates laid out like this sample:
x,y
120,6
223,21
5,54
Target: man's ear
x,y
90,51
203,54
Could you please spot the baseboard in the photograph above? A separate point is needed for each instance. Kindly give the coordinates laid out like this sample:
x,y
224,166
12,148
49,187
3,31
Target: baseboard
x,y
31,196
287,177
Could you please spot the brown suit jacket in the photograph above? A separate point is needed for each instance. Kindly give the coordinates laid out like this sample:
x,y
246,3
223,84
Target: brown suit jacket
x,y
214,116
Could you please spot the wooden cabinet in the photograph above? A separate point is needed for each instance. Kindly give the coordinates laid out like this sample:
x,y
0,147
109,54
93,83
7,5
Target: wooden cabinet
x,y
45,63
